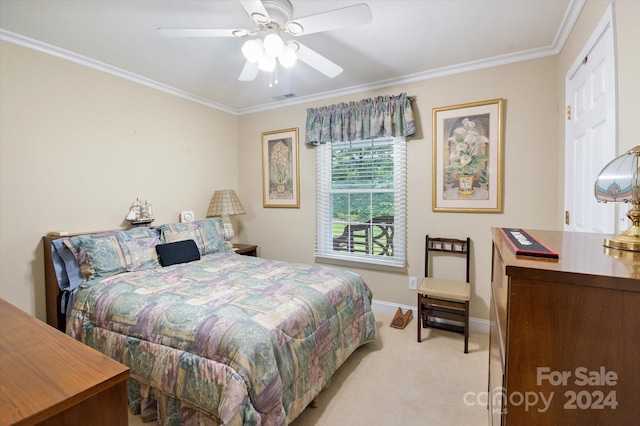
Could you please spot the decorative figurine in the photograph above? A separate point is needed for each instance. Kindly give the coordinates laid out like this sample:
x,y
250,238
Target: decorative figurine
x,y
140,213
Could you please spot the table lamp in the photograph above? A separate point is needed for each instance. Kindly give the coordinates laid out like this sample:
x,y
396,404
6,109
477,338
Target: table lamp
x,y
225,203
619,182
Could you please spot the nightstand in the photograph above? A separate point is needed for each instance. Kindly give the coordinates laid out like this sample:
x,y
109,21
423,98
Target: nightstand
x,y
246,249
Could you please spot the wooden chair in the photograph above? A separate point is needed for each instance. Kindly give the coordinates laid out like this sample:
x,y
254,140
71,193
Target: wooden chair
x,y
373,237
442,301
382,235
354,238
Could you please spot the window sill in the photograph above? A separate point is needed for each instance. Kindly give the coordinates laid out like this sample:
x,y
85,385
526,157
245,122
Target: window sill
x,y
364,262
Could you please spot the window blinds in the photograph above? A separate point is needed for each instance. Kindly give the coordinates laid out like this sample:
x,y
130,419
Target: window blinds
x,y
357,181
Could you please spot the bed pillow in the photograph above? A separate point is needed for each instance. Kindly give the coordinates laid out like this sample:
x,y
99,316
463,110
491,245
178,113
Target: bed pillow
x,y
98,255
139,248
109,253
205,233
211,232
67,273
172,232
65,265
177,252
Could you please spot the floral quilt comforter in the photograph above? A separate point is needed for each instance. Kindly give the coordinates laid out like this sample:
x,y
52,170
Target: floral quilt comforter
x,y
244,340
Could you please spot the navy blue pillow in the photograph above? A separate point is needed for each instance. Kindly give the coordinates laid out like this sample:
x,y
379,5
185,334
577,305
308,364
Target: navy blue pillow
x,y
177,252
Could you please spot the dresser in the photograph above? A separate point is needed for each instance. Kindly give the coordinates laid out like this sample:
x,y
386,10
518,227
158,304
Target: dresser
x,y
49,378
564,334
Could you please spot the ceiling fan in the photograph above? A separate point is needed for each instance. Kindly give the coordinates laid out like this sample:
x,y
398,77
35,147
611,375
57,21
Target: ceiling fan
x,y
273,18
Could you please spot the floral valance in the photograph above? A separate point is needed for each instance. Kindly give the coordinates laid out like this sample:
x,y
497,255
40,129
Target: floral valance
x,y
369,118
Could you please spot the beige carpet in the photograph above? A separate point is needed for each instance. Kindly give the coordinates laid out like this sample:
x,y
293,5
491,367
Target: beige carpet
x,y
397,381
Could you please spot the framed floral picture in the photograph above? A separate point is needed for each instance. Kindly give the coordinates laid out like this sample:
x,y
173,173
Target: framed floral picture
x,y
280,180
468,157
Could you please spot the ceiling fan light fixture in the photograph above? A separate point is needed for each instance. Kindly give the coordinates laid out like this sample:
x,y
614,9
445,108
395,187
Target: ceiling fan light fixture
x,y
267,63
253,50
288,56
294,28
272,17
273,45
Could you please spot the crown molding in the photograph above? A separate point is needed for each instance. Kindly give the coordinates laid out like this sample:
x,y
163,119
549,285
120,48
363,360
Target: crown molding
x,y
49,49
411,78
569,20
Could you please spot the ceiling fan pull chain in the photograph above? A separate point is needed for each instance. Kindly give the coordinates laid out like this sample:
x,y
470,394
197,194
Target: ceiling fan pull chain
x,y
271,77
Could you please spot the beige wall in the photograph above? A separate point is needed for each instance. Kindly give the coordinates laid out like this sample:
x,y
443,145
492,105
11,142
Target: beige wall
x,y
77,146
534,137
530,141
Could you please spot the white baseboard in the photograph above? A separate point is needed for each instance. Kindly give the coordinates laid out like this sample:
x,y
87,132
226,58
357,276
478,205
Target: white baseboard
x,y
475,324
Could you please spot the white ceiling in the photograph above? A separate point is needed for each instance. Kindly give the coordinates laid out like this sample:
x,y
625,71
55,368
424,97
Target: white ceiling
x,y
407,41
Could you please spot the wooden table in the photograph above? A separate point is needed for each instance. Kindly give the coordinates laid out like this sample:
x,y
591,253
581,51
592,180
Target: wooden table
x,y
47,377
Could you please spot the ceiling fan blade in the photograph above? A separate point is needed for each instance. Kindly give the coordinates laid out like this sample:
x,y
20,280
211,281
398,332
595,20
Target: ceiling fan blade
x,y
317,61
256,11
249,72
350,16
195,32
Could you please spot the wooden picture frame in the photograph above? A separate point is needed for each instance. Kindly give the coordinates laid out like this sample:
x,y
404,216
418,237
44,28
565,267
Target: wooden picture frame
x,y
468,157
280,169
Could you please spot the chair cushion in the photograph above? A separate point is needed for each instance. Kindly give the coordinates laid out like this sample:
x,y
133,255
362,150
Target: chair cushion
x,y
445,289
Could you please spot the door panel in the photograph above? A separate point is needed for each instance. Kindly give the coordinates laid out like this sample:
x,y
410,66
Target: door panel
x,y
590,133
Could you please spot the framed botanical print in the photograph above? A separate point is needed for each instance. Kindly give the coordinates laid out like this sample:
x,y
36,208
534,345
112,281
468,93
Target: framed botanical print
x,y
280,170
468,157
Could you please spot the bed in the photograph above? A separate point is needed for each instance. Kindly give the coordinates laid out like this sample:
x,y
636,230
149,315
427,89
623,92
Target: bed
x,y
210,336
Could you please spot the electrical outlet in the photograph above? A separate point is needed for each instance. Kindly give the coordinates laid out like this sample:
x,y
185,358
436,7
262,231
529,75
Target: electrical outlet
x,y
413,283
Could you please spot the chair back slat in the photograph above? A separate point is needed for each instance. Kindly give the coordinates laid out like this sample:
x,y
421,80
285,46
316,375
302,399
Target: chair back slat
x,y
447,245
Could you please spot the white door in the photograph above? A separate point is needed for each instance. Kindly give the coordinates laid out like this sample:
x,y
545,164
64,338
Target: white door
x,y
590,132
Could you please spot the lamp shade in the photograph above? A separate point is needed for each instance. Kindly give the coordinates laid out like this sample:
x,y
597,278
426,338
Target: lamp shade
x,y
266,51
225,202
288,56
273,45
619,182
618,179
253,49
266,63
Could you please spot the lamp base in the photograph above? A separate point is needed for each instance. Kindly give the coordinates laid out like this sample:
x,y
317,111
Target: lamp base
x,y
227,228
627,240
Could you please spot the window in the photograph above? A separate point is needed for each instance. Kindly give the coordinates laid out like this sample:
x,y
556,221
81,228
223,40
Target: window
x,y
361,201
